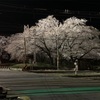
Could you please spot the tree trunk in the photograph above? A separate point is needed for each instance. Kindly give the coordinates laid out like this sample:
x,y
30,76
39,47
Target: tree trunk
x,y
57,60
76,67
34,54
51,59
0,62
34,61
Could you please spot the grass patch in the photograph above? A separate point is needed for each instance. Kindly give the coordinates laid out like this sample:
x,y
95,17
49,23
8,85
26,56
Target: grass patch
x,y
37,66
84,74
51,71
18,65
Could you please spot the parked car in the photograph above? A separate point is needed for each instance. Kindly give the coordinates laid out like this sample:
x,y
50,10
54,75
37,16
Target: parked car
x,y
4,95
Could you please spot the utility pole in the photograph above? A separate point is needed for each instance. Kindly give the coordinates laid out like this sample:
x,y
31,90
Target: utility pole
x,y
57,53
35,51
25,52
0,49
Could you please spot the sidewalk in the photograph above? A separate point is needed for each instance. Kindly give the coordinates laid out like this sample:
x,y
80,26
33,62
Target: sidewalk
x,y
10,69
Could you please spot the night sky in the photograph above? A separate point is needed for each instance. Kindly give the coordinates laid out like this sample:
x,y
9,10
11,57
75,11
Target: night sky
x,y
14,14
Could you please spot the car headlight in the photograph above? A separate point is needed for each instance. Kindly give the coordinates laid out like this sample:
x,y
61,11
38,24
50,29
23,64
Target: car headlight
x,y
23,98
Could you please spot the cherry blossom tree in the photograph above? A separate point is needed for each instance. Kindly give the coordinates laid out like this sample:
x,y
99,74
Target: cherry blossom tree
x,y
16,46
21,44
48,32
81,40
3,43
72,39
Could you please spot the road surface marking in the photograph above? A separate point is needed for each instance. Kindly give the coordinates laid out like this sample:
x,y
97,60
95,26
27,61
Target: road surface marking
x,y
60,91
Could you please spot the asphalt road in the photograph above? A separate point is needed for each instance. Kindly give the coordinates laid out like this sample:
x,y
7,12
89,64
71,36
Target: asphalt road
x,y
50,86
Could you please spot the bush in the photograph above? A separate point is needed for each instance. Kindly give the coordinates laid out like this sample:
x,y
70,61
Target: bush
x,y
40,66
18,65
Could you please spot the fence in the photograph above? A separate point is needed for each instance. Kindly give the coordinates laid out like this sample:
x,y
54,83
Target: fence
x,y
4,66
